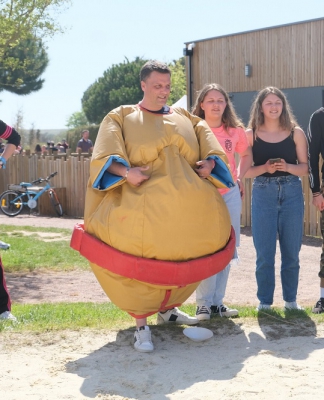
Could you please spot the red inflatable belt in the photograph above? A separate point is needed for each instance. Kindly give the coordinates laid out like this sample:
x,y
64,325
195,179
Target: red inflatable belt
x,y
157,272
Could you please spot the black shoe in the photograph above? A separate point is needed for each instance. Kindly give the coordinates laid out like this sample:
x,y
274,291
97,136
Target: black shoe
x,y
319,306
224,311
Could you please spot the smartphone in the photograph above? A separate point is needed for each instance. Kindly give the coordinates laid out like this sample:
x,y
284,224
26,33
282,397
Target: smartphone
x,y
275,160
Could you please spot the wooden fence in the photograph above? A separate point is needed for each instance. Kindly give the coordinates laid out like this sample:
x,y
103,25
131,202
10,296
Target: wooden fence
x,y
73,174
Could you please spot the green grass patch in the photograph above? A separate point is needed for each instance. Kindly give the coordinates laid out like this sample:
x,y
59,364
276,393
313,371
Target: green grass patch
x,y
76,316
33,248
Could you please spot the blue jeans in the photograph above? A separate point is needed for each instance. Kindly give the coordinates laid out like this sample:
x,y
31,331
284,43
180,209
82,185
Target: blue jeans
x,y
211,291
277,209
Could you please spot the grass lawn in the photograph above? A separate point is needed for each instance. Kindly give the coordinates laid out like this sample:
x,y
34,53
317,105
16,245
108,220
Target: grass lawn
x,y
35,248
77,316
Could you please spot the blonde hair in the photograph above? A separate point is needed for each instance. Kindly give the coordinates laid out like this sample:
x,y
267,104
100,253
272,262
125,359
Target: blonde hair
x,y
229,117
287,119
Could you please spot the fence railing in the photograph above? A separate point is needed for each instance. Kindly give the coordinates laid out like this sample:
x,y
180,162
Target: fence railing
x,y
73,174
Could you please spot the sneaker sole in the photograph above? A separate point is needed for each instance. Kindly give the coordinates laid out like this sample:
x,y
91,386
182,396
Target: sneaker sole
x,y
161,321
144,350
203,317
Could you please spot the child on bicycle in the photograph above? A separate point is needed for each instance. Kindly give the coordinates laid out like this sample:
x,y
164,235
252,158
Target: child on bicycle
x,y
13,141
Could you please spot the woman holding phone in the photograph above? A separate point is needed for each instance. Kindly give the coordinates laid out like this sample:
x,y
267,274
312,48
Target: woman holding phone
x,y
279,150
214,105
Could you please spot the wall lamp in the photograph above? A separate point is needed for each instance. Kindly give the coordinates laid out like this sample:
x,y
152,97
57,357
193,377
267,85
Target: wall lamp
x,y
188,51
248,70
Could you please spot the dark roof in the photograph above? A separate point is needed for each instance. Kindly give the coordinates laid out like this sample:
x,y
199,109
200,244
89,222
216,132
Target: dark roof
x,y
255,30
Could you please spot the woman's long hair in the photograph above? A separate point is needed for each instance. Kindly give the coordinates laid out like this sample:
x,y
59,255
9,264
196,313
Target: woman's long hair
x,y
287,119
229,117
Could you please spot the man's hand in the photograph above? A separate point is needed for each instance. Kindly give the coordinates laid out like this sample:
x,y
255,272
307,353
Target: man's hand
x,y
318,202
136,177
205,167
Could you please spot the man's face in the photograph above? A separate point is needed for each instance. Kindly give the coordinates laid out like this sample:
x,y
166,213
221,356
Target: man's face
x,y
156,90
85,135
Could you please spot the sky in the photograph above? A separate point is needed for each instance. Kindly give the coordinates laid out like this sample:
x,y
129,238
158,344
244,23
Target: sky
x,y
100,33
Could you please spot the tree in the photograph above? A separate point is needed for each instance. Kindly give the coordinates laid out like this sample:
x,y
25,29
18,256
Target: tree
x,y
119,85
31,136
77,119
22,66
21,21
178,80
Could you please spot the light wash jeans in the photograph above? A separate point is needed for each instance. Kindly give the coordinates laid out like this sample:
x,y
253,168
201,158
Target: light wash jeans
x,y
277,209
211,291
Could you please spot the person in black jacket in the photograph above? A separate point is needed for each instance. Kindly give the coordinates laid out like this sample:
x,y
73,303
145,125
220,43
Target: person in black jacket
x,y
13,140
315,138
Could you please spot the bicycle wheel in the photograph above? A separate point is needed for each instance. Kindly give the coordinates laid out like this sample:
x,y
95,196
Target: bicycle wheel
x,y
55,202
11,203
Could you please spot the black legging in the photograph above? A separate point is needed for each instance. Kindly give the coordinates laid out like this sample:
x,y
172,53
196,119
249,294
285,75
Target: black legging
x,y
5,303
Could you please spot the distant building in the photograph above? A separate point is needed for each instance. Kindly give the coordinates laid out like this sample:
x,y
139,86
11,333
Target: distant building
x,y
288,56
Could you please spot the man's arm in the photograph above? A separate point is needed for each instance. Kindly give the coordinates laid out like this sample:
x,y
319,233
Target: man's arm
x,y
314,135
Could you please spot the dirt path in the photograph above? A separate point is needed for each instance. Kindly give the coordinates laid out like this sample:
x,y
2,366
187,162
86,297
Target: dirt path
x,y
82,286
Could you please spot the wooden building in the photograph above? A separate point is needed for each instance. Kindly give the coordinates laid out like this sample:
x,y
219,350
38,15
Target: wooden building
x,y
287,56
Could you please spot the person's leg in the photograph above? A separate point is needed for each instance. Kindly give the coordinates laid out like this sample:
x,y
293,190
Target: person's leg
x,y
319,306
142,336
291,218
234,203
5,303
264,231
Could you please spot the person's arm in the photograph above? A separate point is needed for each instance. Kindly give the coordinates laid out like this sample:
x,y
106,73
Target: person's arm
x,y
254,171
301,168
314,135
13,138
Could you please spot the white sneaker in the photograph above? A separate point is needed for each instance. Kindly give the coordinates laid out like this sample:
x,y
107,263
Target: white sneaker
x,y
4,246
143,340
292,305
176,316
203,313
8,315
262,306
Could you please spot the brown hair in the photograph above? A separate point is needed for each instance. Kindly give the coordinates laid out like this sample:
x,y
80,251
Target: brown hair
x,y
287,119
151,66
229,117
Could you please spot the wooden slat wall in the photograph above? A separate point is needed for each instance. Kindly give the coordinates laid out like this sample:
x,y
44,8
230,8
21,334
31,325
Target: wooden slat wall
x,y
287,57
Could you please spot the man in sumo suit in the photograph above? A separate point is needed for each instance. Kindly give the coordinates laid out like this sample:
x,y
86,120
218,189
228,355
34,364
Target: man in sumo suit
x,y
155,224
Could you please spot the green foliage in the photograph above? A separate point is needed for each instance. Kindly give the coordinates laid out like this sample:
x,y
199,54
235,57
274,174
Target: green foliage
x,y
23,25
74,135
120,84
76,120
35,248
178,80
22,65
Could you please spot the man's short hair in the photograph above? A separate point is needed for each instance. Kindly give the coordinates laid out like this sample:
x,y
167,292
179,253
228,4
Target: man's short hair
x,y
151,66
86,130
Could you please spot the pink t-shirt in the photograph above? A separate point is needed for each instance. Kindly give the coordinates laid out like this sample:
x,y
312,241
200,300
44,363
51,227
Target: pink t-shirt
x,y
232,141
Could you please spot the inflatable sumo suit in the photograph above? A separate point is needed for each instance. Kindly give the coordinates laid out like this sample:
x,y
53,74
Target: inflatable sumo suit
x,y
150,246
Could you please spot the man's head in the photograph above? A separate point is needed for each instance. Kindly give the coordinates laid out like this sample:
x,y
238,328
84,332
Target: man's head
x,y
156,84
85,134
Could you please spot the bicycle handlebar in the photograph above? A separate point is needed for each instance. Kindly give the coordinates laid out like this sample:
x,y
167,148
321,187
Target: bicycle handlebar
x,y
40,180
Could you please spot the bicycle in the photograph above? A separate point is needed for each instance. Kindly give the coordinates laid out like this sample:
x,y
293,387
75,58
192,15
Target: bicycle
x,y
13,200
